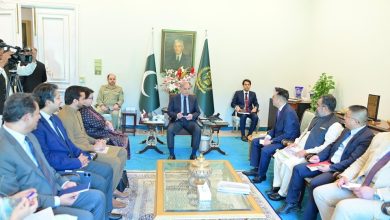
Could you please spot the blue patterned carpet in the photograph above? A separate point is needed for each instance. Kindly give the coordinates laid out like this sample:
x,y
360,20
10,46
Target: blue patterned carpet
x,y
237,154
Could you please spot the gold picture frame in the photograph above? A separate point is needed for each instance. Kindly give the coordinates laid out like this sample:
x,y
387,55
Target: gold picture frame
x,y
177,49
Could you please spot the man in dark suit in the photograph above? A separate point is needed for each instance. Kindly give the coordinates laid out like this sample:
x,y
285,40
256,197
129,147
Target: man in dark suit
x,y
286,127
349,146
178,59
24,166
37,77
183,110
246,106
4,56
60,151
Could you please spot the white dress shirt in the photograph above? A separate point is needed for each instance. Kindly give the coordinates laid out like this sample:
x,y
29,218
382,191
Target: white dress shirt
x,y
21,139
337,155
47,118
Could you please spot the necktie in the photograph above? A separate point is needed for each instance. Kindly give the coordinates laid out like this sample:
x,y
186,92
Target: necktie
x,y
41,165
59,134
378,165
246,102
177,58
185,105
57,130
346,135
277,115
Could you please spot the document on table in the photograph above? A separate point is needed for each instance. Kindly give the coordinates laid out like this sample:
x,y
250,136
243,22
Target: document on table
x,y
233,187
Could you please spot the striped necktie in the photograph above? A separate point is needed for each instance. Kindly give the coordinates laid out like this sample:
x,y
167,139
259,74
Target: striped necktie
x,y
378,165
246,102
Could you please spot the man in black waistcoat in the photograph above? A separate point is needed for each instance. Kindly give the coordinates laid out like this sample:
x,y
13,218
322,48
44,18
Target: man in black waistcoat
x,y
323,130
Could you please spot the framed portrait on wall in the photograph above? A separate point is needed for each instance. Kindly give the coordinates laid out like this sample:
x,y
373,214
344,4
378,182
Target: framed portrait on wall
x,y
177,49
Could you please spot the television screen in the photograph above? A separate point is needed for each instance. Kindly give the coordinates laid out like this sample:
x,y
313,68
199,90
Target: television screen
x,y
373,106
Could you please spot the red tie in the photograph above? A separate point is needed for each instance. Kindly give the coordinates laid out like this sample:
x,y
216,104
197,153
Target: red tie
x,y
246,102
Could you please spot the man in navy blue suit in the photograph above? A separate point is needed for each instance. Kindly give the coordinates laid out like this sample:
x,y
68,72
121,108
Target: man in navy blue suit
x,y
348,147
60,151
183,110
286,127
246,106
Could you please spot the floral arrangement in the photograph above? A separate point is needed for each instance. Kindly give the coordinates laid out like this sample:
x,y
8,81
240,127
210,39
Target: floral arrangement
x,y
172,79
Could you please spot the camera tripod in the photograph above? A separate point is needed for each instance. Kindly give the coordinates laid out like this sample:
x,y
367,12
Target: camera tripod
x,y
13,81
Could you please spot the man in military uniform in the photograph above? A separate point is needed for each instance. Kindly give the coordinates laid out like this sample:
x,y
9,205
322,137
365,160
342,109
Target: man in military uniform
x,y
110,99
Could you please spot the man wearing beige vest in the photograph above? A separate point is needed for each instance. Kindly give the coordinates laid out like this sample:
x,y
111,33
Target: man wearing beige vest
x,y
73,123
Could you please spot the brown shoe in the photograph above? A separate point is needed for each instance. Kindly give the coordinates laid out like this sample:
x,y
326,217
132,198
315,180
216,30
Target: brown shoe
x,y
118,204
120,194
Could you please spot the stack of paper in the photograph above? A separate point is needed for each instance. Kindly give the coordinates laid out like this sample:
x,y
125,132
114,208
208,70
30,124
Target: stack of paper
x,y
204,193
314,166
233,187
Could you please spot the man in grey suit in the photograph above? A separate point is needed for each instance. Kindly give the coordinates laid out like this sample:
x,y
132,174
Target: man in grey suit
x,y
24,166
183,110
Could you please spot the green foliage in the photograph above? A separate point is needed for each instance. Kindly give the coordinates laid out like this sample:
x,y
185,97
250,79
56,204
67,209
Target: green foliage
x,y
322,87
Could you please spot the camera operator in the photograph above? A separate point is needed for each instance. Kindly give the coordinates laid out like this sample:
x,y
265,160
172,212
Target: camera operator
x,y
37,77
4,75
4,56
26,69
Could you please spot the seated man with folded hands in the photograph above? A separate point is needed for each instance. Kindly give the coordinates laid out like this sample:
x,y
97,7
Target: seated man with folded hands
x,y
322,131
71,119
60,151
348,147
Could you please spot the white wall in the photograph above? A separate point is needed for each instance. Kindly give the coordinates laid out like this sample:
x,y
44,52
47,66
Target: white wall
x,y
274,43
260,40
351,41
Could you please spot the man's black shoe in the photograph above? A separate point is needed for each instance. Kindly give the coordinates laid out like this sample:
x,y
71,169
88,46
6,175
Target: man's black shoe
x,y
276,197
244,138
113,216
287,208
193,157
272,191
251,172
172,157
258,179
386,208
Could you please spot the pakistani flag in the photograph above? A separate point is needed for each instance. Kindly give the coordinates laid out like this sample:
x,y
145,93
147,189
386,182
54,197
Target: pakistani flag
x,y
149,98
203,86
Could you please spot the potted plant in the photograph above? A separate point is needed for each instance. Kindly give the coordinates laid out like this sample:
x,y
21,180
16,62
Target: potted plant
x,y
322,87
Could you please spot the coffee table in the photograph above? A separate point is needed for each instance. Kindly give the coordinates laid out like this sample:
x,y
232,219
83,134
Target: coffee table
x,y
177,199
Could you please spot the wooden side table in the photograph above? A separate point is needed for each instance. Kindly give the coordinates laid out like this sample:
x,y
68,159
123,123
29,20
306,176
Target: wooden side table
x,y
124,116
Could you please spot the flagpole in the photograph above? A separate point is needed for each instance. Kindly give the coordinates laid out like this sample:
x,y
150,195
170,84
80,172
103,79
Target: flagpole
x,y
153,39
205,33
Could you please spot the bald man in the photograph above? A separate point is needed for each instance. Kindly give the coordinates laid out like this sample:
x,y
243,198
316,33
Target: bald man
x,y
183,110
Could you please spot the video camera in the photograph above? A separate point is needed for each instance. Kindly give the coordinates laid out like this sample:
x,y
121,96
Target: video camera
x,y
18,55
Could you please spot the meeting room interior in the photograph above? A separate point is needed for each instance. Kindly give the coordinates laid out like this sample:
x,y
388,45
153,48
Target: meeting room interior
x,y
195,110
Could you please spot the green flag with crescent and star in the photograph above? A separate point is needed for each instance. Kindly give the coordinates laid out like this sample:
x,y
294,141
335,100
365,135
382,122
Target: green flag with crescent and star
x,y
203,85
149,98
